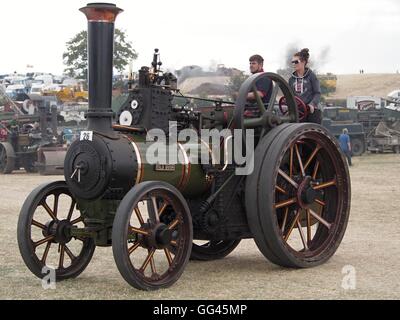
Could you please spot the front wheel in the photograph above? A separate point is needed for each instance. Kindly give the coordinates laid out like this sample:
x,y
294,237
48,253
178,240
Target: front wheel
x,y
151,245
45,221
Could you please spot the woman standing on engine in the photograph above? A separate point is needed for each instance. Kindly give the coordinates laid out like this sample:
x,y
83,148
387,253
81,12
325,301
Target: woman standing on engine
x,y
306,85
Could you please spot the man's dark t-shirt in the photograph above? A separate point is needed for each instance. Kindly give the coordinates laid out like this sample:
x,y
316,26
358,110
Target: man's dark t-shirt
x,y
264,85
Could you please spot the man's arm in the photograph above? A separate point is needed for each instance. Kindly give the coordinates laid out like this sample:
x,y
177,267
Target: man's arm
x,y
263,86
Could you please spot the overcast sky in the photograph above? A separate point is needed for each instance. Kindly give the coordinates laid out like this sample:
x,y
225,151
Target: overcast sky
x,y
355,34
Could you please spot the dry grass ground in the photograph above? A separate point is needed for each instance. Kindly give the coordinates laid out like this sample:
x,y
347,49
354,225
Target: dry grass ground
x,y
371,245
371,84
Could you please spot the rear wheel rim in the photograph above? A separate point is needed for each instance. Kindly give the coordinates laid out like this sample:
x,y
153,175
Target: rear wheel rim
x,y
309,195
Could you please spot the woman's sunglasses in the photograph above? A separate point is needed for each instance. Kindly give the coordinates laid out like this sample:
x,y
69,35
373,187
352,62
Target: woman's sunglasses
x,y
295,61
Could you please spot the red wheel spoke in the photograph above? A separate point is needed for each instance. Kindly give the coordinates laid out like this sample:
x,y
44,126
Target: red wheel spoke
x,y
71,209
320,202
155,209
40,242
139,231
288,179
281,190
46,252
174,224
291,163
153,265
55,206
313,154
308,227
69,253
49,211
285,203
148,259
62,254
320,219
38,224
77,220
139,216
300,161
302,236
316,168
174,243
285,220
168,255
165,205
325,185
296,218
133,248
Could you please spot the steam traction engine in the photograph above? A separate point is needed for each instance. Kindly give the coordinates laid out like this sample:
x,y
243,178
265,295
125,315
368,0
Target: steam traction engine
x,y
294,203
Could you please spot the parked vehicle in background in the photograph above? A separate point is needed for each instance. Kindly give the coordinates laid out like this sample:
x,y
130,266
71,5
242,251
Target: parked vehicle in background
x,y
335,119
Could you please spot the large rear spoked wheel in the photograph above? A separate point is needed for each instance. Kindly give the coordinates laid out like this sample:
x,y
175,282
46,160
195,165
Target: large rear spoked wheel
x,y
152,245
46,219
298,197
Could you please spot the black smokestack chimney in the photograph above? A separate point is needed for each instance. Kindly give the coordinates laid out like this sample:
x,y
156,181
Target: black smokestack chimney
x,y
101,18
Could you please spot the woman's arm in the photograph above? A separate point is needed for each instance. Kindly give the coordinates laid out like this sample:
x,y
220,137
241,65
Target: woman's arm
x,y
316,91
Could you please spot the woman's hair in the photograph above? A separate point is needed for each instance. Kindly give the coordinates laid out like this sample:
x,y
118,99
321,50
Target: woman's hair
x,y
304,55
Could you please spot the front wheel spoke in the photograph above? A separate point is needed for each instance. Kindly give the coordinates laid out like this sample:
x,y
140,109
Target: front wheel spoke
x,y
69,253
139,231
49,211
139,216
310,159
325,185
168,255
320,219
165,205
300,161
55,206
71,209
287,178
77,220
285,220
38,224
174,243
308,227
153,265
285,203
148,259
62,254
302,236
46,252
155,210
133,248
174,224
40,242
286,238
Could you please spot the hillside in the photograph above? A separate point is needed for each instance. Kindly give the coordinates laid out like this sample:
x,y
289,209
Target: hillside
x,y
347,85
366,85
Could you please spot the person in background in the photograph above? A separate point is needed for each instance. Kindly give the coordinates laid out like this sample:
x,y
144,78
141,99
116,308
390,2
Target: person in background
x,y
306,85
345,145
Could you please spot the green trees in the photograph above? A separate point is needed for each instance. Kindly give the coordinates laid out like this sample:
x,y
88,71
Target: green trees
x,y
75,57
